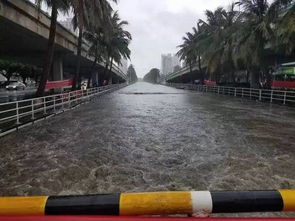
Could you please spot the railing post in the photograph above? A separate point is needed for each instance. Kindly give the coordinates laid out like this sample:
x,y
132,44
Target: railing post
x,y
44,105
218,90
260,95
17,113
250,93
62,102
271,96
242,92
285,97
235,91
69,100
54,103
33,112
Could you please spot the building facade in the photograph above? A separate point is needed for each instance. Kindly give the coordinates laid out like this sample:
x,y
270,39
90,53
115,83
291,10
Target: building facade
x,y
124,65
169,61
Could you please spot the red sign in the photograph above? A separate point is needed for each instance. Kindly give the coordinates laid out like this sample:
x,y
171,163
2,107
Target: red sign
x,y
58,84
283,84
210,83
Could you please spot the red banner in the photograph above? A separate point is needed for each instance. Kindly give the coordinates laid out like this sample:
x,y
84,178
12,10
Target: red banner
x,y
210,83
283,84
58,84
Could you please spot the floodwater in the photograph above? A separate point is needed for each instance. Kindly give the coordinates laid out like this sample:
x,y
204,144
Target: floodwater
x,y
153,138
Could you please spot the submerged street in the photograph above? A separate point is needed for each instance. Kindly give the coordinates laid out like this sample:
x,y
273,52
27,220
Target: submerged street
x,y
148,137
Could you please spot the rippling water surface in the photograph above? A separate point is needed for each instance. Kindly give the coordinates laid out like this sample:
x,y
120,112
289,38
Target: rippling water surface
x,y
149,137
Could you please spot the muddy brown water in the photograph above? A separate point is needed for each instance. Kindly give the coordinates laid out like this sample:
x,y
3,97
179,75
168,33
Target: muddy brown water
x,y
153,138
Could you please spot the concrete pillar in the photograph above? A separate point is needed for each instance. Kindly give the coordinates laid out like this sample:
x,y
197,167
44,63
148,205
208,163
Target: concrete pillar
x,y
57,71
94,77
110,79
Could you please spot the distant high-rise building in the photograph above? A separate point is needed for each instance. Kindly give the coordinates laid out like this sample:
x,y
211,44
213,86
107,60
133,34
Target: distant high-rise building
x,y
169,61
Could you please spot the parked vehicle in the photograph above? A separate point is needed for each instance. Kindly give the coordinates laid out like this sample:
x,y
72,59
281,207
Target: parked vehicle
x,y
16,86
284,77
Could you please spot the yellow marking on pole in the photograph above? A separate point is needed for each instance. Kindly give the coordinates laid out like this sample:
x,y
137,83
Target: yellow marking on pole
x,y
23,205
133,204
288,199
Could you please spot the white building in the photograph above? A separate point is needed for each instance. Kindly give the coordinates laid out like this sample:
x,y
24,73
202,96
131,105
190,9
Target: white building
x,y
169,61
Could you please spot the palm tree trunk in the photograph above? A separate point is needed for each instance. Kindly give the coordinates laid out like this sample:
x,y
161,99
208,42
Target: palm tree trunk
x,y
191,72
77,77
93,67
111,67
200,69
50,51
105,70
254,75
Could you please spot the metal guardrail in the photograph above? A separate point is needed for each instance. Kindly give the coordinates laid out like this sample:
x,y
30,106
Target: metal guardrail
x,y
18,114
273,96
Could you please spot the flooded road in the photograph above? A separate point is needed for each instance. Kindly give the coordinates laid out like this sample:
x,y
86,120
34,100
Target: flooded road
x,y
150,137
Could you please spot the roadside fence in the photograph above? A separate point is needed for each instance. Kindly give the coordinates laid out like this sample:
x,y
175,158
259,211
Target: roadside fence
x,y
284,97
18,114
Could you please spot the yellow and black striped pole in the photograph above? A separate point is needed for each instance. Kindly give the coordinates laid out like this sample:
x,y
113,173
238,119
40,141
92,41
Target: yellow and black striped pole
x,y
157,203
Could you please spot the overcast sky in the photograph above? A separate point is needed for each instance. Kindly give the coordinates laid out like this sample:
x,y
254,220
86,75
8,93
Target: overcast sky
x,y
157,26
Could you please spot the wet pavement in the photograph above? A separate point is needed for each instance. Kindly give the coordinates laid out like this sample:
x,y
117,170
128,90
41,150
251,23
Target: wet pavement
x,y
150,137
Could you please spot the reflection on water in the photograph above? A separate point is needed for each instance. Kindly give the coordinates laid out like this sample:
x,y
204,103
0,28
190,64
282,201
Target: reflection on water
x,y
150,137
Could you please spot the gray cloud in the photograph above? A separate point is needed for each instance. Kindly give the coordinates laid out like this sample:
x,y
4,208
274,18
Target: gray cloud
x,y
157,26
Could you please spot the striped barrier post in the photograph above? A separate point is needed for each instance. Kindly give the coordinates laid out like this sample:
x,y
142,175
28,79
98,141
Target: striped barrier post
x,y
197,203
121,218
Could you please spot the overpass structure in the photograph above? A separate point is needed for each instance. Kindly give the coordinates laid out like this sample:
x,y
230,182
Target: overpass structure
x,y
184,75
24,35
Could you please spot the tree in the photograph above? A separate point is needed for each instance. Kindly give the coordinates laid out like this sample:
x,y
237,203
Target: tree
x,y
252,38
8,69
109,43
86,14
89,15
285,31
117,42
56,5
153,76
256,33
188,50
131,74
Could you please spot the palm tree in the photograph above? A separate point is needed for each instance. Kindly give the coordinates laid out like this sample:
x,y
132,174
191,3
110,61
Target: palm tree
x,y
285,31
116,40
97,48
188,50
131,74
86,14
257,33
89,15
56,5
218,38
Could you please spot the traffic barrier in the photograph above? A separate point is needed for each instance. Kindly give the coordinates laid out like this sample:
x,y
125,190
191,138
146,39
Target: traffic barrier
x,y
197,203
113,218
